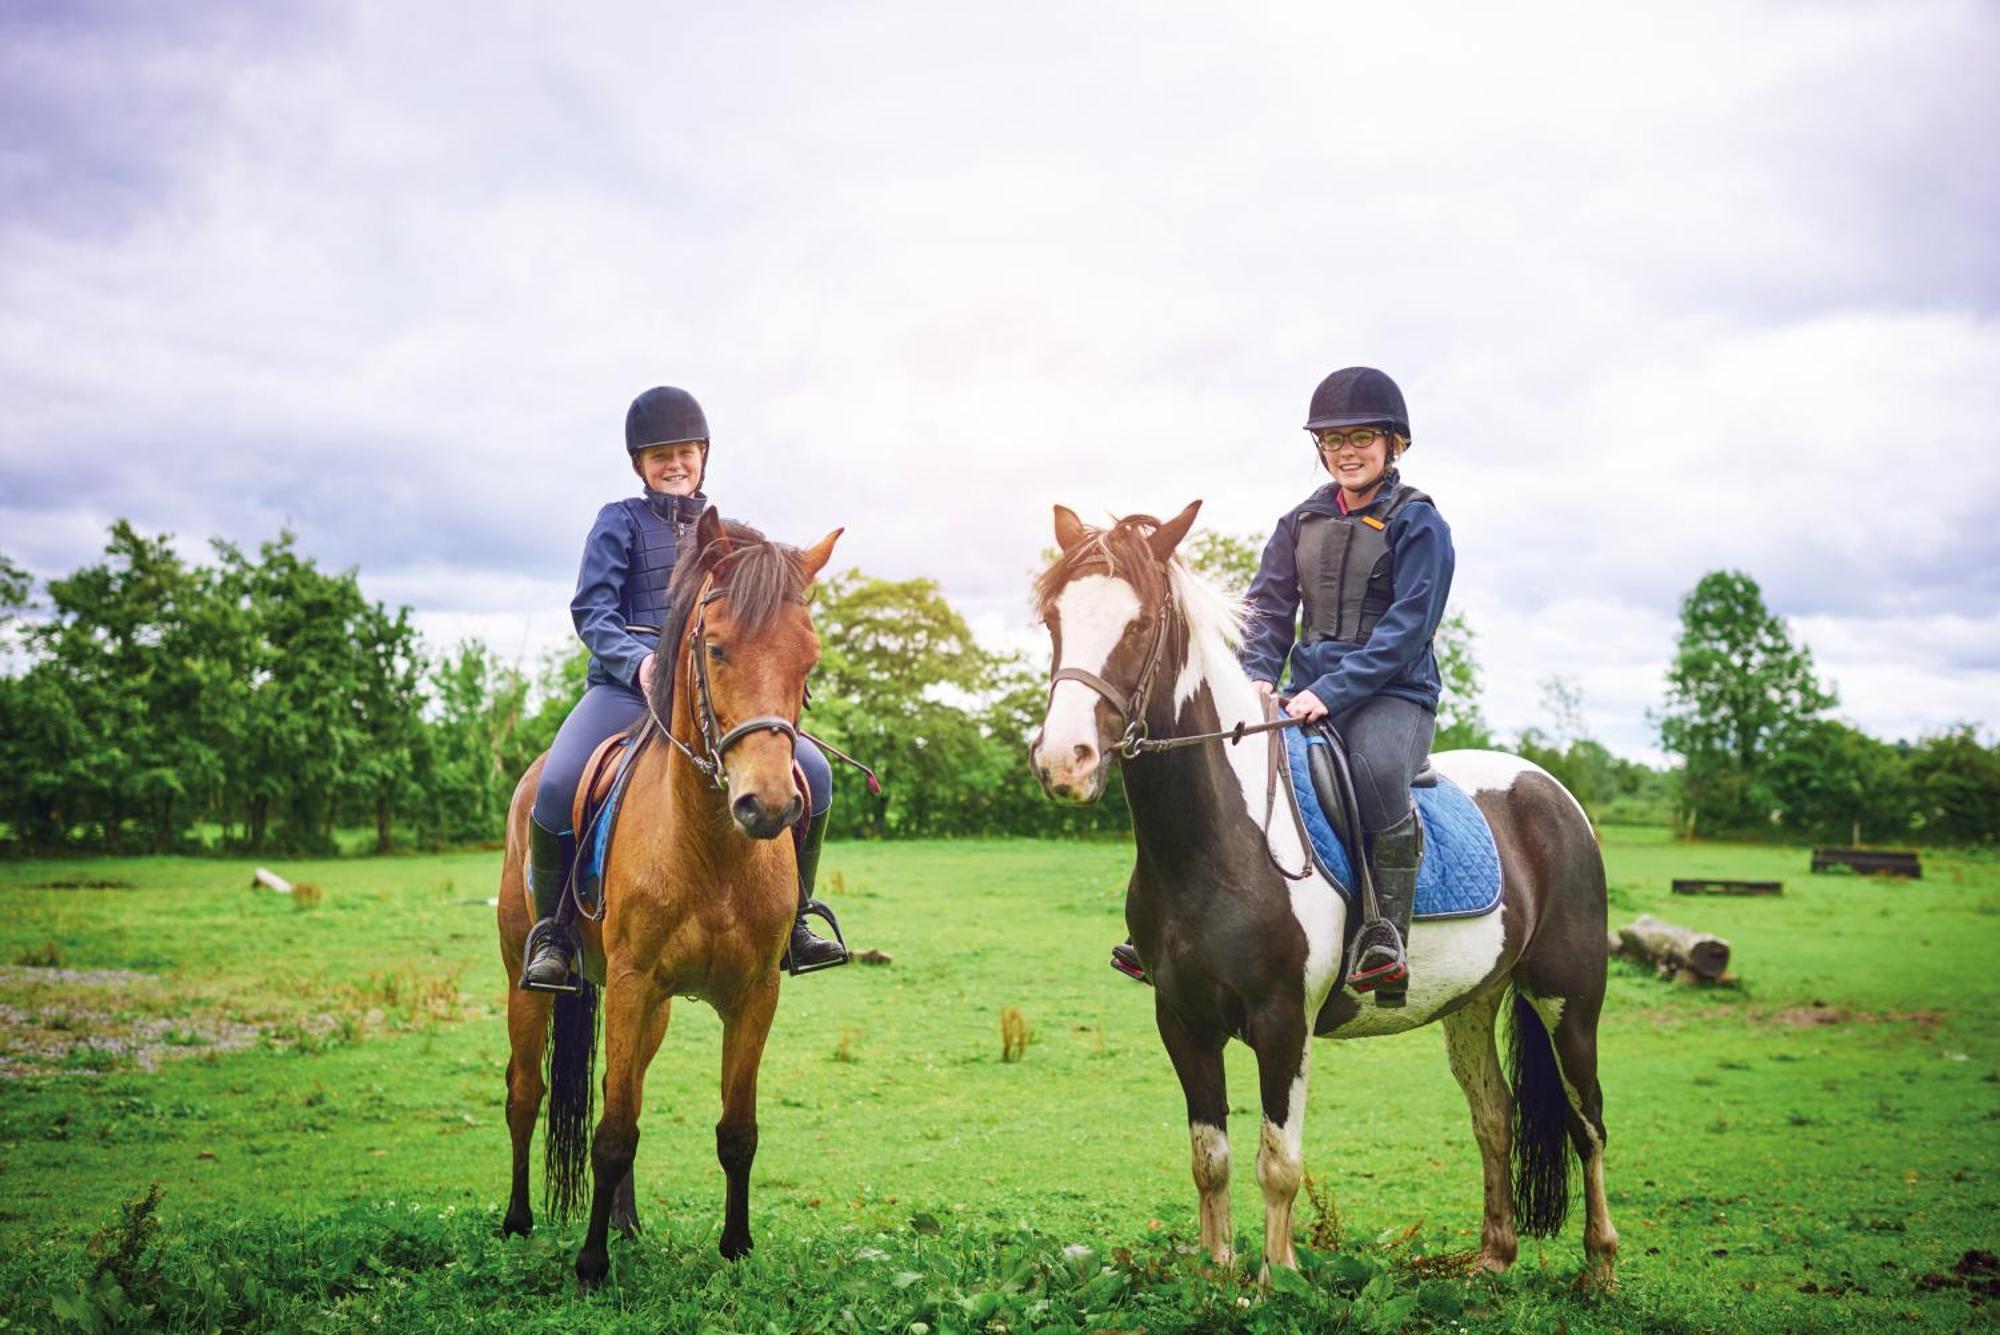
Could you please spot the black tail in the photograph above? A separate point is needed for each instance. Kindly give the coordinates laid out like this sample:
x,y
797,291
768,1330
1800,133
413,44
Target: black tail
x,y
572,1095
1541,1109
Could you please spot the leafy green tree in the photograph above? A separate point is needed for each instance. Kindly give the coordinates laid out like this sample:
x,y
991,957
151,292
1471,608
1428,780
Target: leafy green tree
x,y
1956,785
899,677
387,717
1460,722
470,759
1227,560
1832,781
1738,694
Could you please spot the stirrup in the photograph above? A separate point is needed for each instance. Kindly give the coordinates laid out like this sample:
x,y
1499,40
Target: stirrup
x,y
537,936
814,908
1391,976
1126,960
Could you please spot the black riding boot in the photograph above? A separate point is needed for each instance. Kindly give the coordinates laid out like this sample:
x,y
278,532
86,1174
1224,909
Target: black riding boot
x,y
807,951
551,942
1380,962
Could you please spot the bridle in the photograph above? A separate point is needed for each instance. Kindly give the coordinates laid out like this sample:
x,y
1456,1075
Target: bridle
x,y
1131,710
714,741
1137,739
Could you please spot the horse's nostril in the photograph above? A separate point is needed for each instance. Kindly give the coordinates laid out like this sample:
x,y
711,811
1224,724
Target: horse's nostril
x,y
744,809
1084,753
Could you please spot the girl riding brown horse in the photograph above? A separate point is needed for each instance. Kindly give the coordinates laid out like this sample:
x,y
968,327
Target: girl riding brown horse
x,y
699,892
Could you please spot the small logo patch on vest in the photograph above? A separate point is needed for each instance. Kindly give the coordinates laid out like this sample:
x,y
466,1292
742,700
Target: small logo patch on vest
x,y
1373,522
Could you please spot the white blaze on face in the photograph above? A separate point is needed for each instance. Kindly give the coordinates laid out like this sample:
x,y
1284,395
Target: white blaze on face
x,y
1094,613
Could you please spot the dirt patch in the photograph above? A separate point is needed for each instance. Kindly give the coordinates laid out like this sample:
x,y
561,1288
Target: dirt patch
x,y
88,1021
1817,1014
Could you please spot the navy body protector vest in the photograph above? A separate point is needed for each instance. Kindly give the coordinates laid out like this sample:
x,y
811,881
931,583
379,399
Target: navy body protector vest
x,y
1347,571
655,548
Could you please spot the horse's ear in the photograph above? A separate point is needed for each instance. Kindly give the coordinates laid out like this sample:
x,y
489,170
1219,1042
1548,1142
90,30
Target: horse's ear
x,y
1069,529
709,538
815,557
1168,535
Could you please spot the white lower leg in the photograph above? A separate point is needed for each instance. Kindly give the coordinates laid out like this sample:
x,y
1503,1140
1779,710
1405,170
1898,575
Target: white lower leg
x,y
1279,1168
1211,1179
1600,1239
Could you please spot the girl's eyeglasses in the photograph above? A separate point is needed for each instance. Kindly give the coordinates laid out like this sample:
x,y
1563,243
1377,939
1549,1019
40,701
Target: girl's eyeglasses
x,y
1360,438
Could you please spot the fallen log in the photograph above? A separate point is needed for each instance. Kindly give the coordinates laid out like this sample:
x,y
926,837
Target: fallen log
x,y
1673,949
270,880
1712,886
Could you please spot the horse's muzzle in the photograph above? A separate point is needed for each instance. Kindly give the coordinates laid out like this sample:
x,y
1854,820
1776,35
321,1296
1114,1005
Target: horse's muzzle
x,y
765,820
1074,775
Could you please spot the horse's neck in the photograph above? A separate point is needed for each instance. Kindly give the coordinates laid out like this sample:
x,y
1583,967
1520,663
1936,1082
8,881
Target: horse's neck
x,y
1188,798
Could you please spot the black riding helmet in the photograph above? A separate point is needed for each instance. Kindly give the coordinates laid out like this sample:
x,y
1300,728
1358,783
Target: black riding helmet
x,y
1358,396
664,415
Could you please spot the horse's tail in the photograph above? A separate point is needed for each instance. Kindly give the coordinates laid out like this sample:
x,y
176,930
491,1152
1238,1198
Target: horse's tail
x,y
572,1057
1541,1112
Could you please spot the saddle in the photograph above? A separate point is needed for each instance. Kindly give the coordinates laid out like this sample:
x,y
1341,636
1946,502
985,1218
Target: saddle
x,y
1460,873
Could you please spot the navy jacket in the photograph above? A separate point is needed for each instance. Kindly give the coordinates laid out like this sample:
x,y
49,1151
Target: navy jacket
x,y
1394,660
623,582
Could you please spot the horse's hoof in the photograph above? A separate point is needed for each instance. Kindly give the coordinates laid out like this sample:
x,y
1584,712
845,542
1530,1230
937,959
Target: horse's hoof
x,y
1494,1263
627,1227
517,1227
590,1272
735,1248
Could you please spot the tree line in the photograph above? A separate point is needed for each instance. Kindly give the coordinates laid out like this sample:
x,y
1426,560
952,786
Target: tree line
x,y
257,701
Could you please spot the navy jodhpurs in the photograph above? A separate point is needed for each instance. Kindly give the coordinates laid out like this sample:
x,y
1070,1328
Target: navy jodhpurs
x,y
606,708
1387,739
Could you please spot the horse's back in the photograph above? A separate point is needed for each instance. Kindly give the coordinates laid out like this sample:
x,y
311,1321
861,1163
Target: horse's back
x,y
1552,871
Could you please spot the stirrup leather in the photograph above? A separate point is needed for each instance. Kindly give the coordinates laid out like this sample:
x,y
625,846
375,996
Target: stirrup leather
x,y
814,908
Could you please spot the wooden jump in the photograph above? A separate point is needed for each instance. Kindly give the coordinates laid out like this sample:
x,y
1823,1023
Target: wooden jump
x,y
1870,861
1713,886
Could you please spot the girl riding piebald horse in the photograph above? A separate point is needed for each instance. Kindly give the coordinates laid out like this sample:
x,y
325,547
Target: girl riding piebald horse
x,y
621,600
1371,560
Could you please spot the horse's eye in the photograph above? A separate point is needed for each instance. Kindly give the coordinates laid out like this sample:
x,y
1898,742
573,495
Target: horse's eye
x,y
715,652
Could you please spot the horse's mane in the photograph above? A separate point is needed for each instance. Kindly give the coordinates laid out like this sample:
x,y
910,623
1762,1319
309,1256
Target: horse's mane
x,y
758,577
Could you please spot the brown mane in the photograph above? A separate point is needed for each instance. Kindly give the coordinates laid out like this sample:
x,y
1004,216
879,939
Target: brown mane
x,y
1120,551
758,577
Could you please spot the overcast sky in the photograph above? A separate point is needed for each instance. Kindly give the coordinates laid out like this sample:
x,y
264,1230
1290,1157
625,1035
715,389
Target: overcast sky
x,y
1668,288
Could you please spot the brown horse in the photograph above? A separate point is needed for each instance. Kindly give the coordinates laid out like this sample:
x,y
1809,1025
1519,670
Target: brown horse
x,y
1238,946
699,892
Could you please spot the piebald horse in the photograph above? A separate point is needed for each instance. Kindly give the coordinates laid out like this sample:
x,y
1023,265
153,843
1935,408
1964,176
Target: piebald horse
x,y
699,892
1237,948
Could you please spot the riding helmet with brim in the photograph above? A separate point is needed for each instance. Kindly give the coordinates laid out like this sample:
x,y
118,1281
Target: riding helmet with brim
x,y
664,415
1357,396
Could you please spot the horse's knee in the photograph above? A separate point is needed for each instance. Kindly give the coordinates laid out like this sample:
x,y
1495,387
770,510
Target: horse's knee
x,y
1210,1148
735,1146
1279,1167
613,1149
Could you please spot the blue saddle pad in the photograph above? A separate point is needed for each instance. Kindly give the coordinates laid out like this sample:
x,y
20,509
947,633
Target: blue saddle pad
x,y
1460,873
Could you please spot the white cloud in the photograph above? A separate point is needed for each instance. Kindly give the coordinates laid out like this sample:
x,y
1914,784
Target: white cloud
x,y
1669,290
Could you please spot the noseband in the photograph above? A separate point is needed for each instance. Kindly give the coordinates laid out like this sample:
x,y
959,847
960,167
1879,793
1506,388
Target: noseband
x,y
714,741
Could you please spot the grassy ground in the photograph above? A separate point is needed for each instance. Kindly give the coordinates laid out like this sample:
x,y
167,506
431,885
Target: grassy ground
x,y
317,1090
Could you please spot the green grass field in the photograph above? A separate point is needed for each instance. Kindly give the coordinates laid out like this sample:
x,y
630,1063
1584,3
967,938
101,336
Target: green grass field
x,y
317,1091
